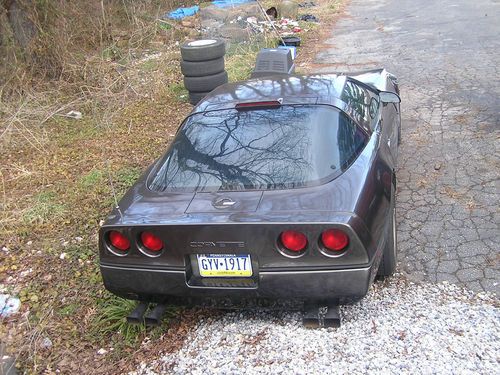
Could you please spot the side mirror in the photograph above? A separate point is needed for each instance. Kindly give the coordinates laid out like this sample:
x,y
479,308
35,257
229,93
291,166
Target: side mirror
x,y
389,97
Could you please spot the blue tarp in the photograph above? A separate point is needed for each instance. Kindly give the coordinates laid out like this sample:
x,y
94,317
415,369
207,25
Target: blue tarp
x,y
180,13
228,3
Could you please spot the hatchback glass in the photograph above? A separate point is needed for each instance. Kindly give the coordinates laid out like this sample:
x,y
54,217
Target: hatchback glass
x,y
259,149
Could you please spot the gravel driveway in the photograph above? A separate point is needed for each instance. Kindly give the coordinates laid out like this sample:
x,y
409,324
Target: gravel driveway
x,y
400,327
446,56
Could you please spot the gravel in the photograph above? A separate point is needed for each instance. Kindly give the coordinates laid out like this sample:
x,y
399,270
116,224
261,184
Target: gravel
x,y
399,327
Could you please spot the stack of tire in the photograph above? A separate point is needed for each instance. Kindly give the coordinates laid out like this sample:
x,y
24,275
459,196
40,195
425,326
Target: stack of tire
x,y
203,67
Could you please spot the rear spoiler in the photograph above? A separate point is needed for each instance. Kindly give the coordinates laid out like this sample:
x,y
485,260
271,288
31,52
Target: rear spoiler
x,y
375,78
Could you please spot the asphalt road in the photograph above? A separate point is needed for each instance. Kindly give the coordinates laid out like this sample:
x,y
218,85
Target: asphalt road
x,y
446,56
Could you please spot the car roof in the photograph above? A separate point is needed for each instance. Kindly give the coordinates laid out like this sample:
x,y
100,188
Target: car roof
x,y
290,89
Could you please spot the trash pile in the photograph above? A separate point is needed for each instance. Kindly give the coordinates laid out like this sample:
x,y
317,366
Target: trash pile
x,y
243,20
309,18
237,24
247,22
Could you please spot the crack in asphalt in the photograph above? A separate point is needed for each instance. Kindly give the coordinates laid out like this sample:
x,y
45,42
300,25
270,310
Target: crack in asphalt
x,y
445,55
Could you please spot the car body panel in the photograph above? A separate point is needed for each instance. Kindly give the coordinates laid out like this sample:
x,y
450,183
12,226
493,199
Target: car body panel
x,y
357,201
167,285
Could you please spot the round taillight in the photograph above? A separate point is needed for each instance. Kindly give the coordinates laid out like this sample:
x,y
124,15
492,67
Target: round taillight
x,y
334,239
151,242
119,241
293,240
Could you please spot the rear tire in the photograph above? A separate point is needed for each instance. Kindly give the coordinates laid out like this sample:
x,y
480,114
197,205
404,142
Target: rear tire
x,y
202,68
205,83
203,50
387,265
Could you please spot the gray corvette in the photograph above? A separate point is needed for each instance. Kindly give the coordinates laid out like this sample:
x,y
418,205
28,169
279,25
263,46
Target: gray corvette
x,y
276,188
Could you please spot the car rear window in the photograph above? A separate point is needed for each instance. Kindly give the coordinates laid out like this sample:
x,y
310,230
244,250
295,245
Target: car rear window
x,y
260,149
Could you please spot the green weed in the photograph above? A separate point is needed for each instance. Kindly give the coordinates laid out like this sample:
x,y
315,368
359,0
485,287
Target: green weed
x,y
69,310
163,25
81,251
178,91
93,178
45,208
240,58
239,68
111,319
127,176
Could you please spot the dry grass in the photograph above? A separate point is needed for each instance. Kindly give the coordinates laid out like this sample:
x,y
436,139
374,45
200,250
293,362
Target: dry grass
x,y
120,70
54,172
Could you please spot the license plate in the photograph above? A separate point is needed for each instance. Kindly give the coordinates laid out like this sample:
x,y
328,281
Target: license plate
x,y
224,265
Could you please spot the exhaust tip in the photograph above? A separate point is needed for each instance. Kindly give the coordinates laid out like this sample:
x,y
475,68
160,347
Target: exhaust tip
x,y
154,317
136,316
321,316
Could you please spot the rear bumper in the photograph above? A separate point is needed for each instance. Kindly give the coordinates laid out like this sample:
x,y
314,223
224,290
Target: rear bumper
x,y
344,285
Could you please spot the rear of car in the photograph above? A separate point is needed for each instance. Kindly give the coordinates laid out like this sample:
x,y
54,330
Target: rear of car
x,y
261,200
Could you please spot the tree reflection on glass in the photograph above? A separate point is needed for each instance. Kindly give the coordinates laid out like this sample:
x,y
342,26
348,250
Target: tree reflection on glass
x,y
286,147
359,101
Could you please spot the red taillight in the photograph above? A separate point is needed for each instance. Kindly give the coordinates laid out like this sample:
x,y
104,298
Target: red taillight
x,y
334,239
119,240
293,240
151,242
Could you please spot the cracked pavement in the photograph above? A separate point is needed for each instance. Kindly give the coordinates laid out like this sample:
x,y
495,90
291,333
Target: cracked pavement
x,y
446,57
